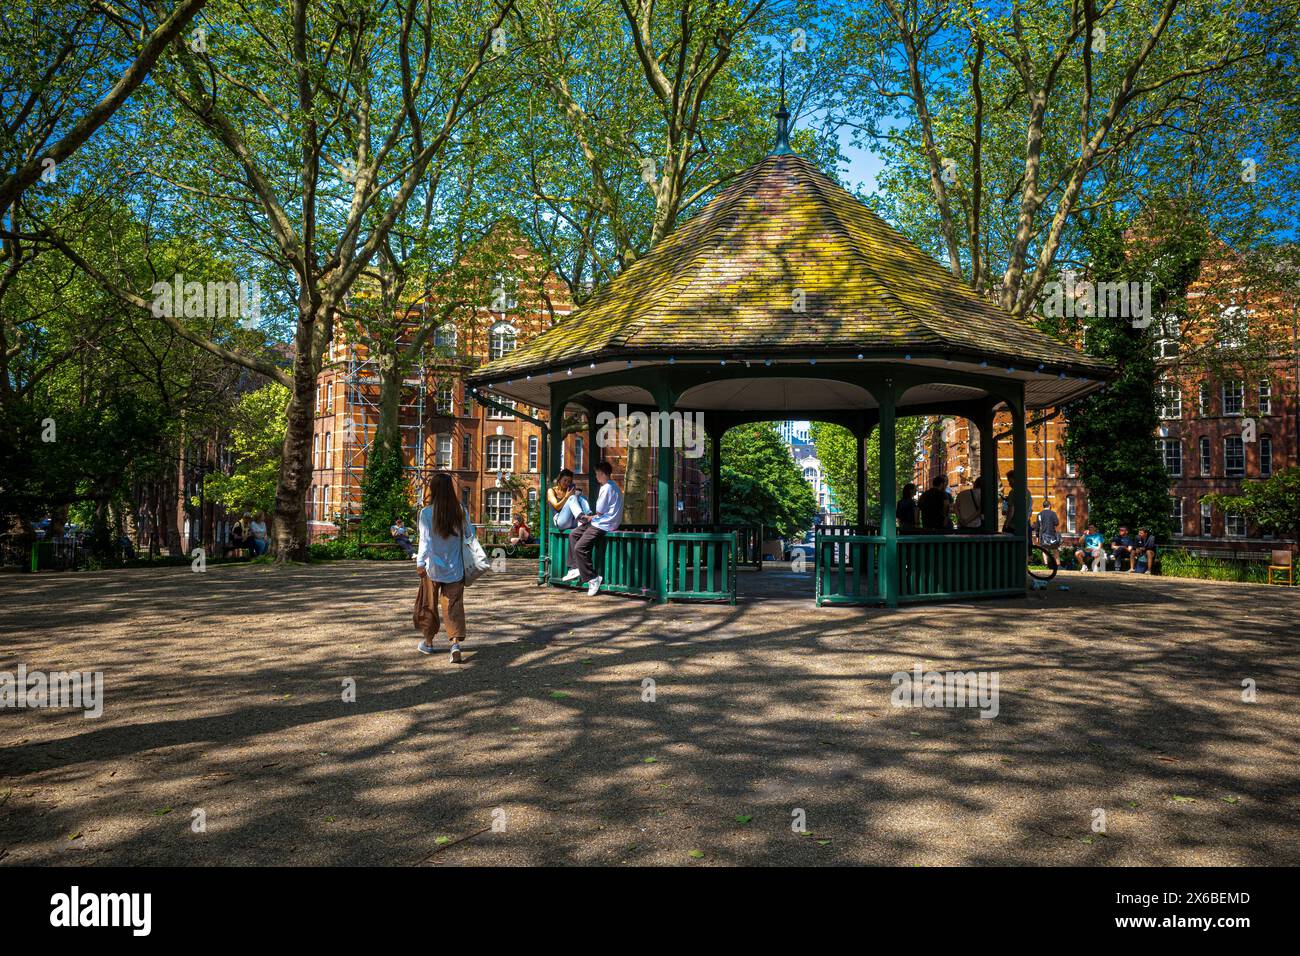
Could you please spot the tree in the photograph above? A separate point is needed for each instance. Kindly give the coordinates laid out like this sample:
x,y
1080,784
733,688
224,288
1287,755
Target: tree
x,y
1110,433
256,436
305,131
1003,124
837,452
761,484
1272,504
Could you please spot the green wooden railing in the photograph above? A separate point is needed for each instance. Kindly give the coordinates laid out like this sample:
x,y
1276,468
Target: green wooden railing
x,y
937,566
749,539
625,561
850,568
702,566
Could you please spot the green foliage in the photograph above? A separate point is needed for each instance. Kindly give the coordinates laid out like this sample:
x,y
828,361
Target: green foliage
x,y
384,495
761,484
1273,504
257,434
1111,433
1183,564
837,451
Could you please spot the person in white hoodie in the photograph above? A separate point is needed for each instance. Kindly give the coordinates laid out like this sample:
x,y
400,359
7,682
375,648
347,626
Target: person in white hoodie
x,y
444,526
594,526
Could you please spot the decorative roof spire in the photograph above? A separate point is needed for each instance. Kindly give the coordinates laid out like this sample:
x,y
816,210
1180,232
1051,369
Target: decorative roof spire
x,y
782,145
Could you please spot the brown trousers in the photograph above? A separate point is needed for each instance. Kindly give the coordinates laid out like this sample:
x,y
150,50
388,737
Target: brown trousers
x,y
447,598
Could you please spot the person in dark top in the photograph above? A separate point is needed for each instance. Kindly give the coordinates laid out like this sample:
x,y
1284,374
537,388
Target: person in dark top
x,y
1145,551
1121,546
907,507
934,506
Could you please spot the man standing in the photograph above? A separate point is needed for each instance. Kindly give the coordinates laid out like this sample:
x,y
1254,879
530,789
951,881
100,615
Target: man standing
x,y
592,527
970,507
934,506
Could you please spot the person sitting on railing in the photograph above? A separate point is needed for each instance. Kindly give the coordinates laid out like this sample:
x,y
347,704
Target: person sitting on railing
x,y
970,507
594,526
1092,551
934,506
907,508
1144,552
566,501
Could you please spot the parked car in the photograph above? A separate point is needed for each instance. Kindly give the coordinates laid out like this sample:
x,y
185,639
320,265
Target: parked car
x,y
805,546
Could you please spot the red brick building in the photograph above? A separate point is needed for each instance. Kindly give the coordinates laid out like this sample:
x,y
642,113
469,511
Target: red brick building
x,y
1233,362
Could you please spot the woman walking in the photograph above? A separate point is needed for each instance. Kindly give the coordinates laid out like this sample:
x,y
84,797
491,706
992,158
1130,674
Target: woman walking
x,y
444,526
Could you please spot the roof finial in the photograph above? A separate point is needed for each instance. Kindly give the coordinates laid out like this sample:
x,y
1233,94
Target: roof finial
x,y
782,145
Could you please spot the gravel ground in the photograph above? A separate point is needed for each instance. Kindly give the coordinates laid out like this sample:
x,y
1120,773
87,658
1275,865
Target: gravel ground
x,y
224,693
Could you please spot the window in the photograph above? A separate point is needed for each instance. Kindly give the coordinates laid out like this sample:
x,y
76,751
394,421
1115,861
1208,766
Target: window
x,y
1202,398
497,413
466,451
1232,327
315,450
443,400
1169,400
325,504
444,453
1207,465
329,451
1234,397
466,402
1071,470
1071,514
1234,457
1207,520
501,340
498,506
500,453
464,501
1235,525
1265,396
318,390
329,400
1265,456
532,453
578,455
314,514
1176,514
1171,450
1168,330
445,336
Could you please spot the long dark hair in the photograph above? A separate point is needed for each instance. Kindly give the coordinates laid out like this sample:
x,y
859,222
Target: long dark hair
x,y
448,516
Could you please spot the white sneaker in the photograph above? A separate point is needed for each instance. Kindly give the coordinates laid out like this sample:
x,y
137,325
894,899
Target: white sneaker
x,y
455,653
572,575
593,586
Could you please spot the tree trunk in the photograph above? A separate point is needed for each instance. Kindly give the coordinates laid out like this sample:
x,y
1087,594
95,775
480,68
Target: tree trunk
x,y
289,531
388,433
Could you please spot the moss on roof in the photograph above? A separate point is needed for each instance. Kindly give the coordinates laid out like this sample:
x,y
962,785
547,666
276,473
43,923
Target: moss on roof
x,y
727,279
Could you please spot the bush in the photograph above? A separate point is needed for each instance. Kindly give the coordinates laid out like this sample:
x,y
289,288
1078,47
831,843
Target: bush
x,y
1184,564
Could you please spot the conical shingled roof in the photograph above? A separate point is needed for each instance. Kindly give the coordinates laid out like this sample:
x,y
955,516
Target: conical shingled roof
x,y
725,283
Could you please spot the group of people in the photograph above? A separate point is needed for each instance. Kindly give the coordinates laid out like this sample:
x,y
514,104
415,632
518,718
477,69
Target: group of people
x,y
1138,552
586,525
936,509
250,533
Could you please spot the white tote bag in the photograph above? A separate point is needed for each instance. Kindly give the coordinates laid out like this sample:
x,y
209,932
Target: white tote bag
x,y
474,558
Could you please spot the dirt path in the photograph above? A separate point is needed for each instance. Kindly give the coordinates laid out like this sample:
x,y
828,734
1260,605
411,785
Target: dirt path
x,y
224,694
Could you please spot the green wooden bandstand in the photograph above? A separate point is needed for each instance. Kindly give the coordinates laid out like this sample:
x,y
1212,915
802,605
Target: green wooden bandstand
x,y
787,298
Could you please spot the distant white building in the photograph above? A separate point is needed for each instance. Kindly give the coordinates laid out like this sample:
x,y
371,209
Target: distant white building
x,y
795,433
805,456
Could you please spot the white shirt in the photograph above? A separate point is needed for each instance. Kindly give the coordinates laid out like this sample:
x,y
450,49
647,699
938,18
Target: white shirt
x,y
609,507
257,529
440,557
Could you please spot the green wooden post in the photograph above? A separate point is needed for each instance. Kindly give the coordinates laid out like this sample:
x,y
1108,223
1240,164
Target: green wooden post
x,y
989,471
715,474
862,477
556,446
664,460
591,457
1020,491
888,491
